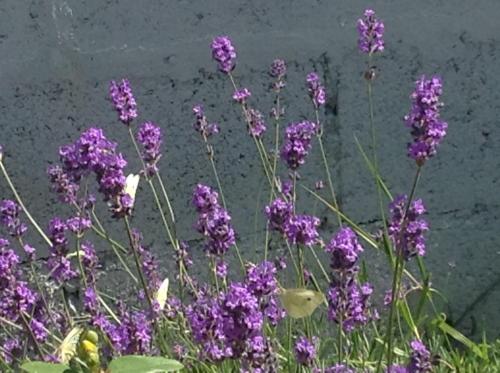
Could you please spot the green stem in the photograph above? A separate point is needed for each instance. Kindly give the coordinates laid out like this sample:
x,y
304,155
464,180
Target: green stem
x,y
20,202
327,169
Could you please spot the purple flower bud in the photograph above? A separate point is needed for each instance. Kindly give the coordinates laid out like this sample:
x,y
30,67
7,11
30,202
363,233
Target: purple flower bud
x,y
315,89
303,229
123,100
345,249
371,33
427,129
9,218
256,125
305,350
278,68
224,53
420,358
298,143
149,136
241,95
201,125
278,214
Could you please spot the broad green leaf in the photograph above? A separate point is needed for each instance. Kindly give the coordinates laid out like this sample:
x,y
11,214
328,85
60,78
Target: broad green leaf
x,y
43,367
143,364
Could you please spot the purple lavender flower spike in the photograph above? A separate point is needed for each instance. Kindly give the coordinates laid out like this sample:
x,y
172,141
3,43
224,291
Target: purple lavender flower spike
x,y
241,95
201,125
219,231
279,214
9,218
123,100
420,358
256,126
303,229
298,143
205,199
397,369
408,235
371,33
149,136
278,68
349,302
261,279
315,89
345,249
224,53
427,128
305,350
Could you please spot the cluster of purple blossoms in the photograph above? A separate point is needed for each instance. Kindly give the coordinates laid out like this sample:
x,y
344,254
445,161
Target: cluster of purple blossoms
x,y
298,143
407,232
17,298
278,68
123,100
90,262
261,281
92,153
9,218
315,89
241,95
214,222
58,263
224,53
420,360
344,248
222,324
427,128
371,33
305,351
148,262
256,123
201,125
278,214
302,229
348,301
349,304
298,229
149,136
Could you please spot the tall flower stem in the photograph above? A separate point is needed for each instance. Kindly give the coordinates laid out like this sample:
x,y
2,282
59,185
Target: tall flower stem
x,y
327,168
20,202
398,271
170,232
32,335
137,259
210,153
275,162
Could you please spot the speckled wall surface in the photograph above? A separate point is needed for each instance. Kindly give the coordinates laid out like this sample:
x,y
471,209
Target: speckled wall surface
x,y
57,58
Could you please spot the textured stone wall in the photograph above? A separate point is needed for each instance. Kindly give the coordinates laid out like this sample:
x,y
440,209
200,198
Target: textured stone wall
x,y
57,58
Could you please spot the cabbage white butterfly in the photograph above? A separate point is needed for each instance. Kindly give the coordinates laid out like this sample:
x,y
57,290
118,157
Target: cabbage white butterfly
x,y
300,302
161,294
131,183
68,348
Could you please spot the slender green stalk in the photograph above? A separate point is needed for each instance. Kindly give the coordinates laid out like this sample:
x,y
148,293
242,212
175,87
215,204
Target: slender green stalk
x,y
20,202
327,169
210,153
398,271
32,335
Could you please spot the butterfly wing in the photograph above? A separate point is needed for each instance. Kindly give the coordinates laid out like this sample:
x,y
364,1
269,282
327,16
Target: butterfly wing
x,y
162,293
131,184
300,303
68,348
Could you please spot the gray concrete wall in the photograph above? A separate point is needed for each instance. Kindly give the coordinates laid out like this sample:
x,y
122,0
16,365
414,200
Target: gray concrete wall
x,y
58,57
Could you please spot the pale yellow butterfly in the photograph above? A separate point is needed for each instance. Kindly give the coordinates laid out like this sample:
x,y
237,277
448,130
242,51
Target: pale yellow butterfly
x,y
162,293
131,183
68,348
300,302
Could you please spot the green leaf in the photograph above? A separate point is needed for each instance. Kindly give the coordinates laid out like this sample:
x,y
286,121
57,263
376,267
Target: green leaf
x,y
374,172
43,367
440,322
143,364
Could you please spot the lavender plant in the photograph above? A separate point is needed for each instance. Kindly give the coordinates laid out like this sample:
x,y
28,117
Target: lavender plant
x,y
220,322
